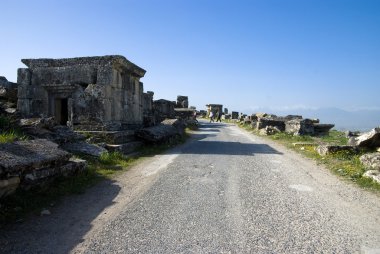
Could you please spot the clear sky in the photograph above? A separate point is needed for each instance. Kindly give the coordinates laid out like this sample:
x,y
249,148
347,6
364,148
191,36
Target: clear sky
x,y
243,54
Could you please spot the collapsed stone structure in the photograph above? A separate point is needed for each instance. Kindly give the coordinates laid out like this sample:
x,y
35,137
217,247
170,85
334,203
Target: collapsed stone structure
x,y
234,115
86,93
163,109
182,101
370,139
293,124
165,131
214,108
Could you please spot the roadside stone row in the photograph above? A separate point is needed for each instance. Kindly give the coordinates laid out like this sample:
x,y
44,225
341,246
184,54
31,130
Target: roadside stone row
x,y
269,124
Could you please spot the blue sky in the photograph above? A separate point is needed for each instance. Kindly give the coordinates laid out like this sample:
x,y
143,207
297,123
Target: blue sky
x,y
281,54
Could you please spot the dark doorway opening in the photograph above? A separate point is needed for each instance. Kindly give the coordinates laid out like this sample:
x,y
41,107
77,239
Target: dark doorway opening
x,y
61,113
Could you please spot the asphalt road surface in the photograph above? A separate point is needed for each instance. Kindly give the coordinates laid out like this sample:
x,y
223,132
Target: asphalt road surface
x,y
224,191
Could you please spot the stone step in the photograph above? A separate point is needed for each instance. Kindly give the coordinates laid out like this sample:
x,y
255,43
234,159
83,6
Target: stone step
x,y
125,148
110,137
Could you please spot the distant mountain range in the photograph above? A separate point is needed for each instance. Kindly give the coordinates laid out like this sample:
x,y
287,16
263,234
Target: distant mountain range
x,y
361,120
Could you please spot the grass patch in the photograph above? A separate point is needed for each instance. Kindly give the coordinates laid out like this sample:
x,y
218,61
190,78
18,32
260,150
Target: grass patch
x,y
345,164
8,132
335,137
10,136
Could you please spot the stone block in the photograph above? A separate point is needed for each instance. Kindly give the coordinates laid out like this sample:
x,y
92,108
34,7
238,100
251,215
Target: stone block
x,y
269,130
40,176
182,101
166,130
263,122
300,127
24,76
371,160
322,129
369,139
8,186
331,149
82,147
125,148
234,115
373,174
19,156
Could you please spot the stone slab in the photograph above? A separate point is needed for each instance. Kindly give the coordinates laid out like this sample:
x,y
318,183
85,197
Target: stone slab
x,y
371,160
373,174
369,139
331,149
84,148
110,137
125,148
30,154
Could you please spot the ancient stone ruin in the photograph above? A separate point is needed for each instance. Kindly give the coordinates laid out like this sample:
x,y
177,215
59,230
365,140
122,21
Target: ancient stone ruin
x,y
234,115
182,101
293,124
163,109
215,108
86,93
59,100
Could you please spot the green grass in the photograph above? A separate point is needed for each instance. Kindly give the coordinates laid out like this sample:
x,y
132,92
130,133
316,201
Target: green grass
x,y
8,131
10,136
344,164
335,137
286,137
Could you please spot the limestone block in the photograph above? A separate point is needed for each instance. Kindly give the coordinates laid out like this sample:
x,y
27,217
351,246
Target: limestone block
x,y
39,176
125,148
182,101
163,132
25,92
73,167
234,115
20,156
371,160
269,130
84,148
369,139
24,76
300,127
263,122
373,174
8,186
331,149
322,129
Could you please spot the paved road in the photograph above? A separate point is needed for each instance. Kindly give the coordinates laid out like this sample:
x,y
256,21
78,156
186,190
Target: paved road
x,y
227,191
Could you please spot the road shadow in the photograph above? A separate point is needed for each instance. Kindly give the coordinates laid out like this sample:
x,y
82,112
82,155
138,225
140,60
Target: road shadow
x,y
64,228
200,143
200,146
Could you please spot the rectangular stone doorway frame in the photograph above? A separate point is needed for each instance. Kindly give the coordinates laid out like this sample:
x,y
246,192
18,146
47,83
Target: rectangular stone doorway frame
x,y
61,110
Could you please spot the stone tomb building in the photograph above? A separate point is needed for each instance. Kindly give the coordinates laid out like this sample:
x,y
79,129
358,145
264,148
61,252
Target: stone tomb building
x,y
86,93
214,108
